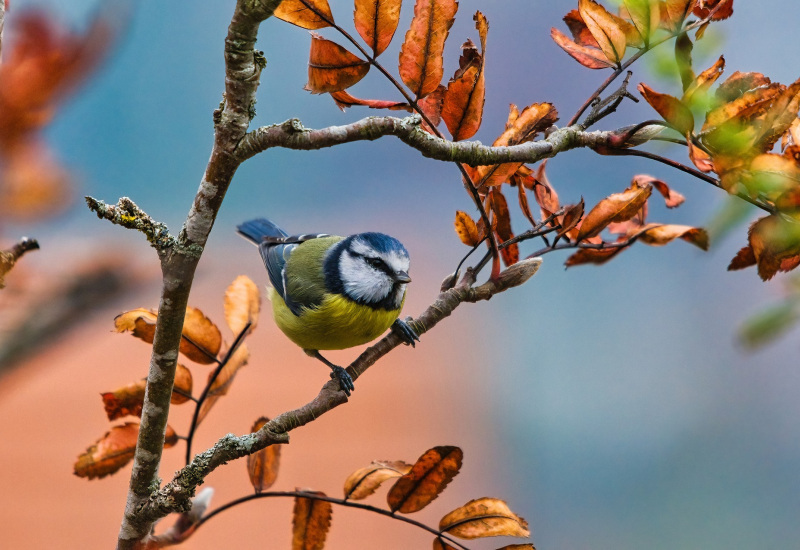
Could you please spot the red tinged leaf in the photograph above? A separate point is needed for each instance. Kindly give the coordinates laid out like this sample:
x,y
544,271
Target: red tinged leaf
x,y
344,100
502,227
467,230
365,481
125,401
484,517
595,256
672,198
522,196
428,477
376,21
421,62
113,451
307,14
670,108
618,207
311,521
589,57
262,466
462,109
431,107
573,214
605,28
774,240
546,196
580,32
703,8
332,68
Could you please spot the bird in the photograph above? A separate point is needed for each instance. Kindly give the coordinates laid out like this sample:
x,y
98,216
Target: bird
x,y
330,292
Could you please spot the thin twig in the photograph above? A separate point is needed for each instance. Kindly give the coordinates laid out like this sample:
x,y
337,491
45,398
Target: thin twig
x,y
332,500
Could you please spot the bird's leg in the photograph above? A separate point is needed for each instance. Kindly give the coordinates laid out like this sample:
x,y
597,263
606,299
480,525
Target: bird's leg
x,y
405,332
345,381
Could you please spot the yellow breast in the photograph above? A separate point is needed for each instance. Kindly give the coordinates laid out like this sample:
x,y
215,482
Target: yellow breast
x,y
337,323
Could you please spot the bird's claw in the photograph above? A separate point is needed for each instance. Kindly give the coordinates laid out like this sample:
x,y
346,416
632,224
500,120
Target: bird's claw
x,y
405,332
345,380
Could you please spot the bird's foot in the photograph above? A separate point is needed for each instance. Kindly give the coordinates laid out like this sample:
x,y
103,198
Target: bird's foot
x,y
405,332
345,381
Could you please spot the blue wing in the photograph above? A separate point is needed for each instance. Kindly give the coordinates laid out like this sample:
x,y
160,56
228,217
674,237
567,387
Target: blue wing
x,y
275,246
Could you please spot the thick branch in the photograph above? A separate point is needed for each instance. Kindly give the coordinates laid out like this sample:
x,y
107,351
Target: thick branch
x,y
292,135
176,495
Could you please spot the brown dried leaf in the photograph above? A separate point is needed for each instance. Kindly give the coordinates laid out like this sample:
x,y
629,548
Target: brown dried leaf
x,y
502,217
242,304
466,229
462,109
307,14
484,517
421,62
311,521
365,481
703,9
659,235
615,208
431,107
589,57
605,28
113,451
182,389
524,126
672,198
572,216
223,382
495,174
376,21
670,108
201,338
427,479
125,401
774,239
580,32
595,256
331,67
262,466
344,100
546,196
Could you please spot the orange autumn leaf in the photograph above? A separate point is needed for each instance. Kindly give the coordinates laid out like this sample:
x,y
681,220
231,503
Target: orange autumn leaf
x,y
774,240
675,12
376,21
618,207
344,100
573,214
331,67
525,125
772,175
595,256
588,56
223,382
262,466
431,106
467,230
428,477
672,198
656,234
605,28
307,14
34,184
421,62
462,109
579,30
125,401
546,196
311,521
365,481
242,304
502,226
182,388
484,517
113,451
704,81
670,108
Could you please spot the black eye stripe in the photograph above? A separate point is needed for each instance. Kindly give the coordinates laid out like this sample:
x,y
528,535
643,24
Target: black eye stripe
x,y
377,263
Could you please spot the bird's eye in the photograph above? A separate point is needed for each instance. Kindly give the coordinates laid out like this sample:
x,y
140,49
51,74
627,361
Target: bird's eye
x,y
377,263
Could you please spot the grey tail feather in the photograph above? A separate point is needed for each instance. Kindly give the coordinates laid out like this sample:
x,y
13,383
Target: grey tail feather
x,y
255,230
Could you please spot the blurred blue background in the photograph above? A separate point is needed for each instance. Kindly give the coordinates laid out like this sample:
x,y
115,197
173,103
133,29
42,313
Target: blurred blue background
x,y
623,411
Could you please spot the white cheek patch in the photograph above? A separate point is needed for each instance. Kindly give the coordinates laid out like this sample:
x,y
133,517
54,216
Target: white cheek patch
x,y
362,282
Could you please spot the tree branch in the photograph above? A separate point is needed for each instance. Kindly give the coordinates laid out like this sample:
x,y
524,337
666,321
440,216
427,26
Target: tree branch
x,y
127,214
8,258
293,135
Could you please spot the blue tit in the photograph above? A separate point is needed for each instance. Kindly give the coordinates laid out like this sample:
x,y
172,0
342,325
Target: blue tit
x,y
332,292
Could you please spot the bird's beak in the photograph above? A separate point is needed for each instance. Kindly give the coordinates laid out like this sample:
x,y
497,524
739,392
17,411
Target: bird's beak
x,y
402,277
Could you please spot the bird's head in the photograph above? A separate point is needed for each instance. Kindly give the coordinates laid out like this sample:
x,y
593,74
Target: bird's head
x,y
369,268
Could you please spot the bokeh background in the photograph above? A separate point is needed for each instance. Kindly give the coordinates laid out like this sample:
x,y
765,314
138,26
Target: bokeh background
x,y
612,407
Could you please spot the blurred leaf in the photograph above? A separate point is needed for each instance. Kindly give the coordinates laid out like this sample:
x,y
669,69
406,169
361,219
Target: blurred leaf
x,y
365,481
331,67
307,14
182,389
439,544
462,109
700,86
768,324
421,62
223,382
376,21
427,479
675,12
242,304
262,466
484,517
311,522
615,208
774,240
744,258
113,451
